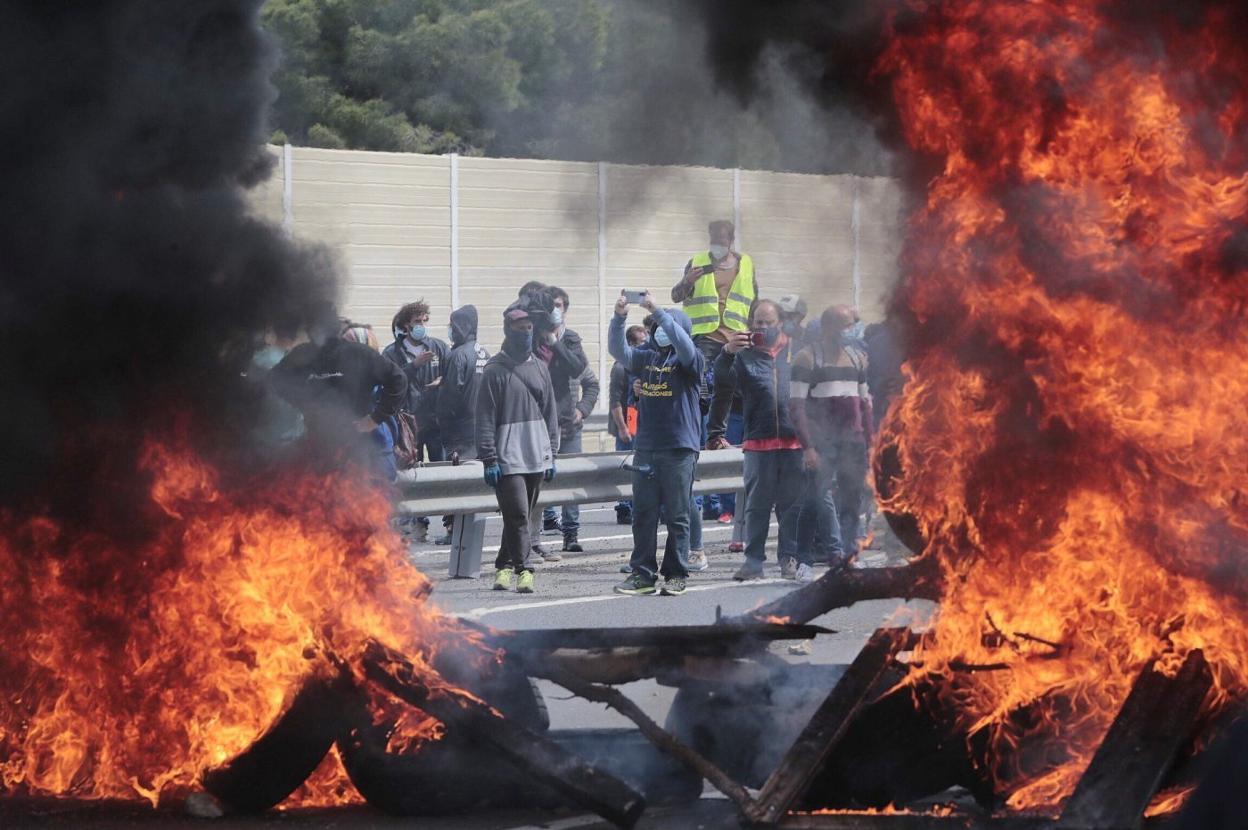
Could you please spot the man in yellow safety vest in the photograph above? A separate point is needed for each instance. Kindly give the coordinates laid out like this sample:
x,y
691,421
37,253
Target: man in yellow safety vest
x,y
718,288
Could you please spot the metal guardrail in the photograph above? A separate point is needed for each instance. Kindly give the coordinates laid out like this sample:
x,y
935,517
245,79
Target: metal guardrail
x,y
460,490
445,489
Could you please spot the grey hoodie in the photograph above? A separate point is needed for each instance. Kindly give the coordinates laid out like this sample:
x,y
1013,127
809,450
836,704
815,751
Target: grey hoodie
x,y
517,423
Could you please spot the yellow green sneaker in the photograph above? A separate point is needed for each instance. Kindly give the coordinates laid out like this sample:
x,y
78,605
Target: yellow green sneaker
x,y
502,579
524,585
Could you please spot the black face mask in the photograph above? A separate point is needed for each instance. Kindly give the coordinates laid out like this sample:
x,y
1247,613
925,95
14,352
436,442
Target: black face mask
x,y
518,345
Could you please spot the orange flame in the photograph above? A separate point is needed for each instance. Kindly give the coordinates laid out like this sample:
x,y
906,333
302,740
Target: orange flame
x,y
1072,432
130,672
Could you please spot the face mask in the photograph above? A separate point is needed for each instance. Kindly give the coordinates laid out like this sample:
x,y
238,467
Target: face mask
x,y
450,332
719,251
556,317
661,339
417,332
518,344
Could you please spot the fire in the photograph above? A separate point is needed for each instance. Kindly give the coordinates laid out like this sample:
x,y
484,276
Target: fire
x,y
130,671
1073,432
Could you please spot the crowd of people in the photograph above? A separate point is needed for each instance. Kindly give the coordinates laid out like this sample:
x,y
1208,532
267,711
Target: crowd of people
x,y
723,367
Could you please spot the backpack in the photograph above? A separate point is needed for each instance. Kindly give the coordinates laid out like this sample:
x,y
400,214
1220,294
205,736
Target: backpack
x,y
406,445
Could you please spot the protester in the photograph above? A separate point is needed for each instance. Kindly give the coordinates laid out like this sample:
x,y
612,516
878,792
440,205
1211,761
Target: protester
x,y
832,413
718,287
561,349
345,391
277,424
754,363
792,322
422,358
669,428
517,436
622,411
457,395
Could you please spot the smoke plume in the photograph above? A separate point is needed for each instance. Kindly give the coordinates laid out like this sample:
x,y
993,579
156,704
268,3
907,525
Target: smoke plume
x,y
136,281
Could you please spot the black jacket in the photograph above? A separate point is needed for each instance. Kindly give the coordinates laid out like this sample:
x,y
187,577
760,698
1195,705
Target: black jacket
x,y
461,380
566,360
337,382
422,399
763,382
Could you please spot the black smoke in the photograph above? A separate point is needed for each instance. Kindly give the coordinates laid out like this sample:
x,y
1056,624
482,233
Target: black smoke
x,y
135,281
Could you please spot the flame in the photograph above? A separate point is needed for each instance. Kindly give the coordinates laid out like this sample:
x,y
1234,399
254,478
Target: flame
x,y
129,672
1072,433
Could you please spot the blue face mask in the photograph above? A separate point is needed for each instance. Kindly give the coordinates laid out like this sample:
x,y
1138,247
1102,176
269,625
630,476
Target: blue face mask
x,y
417,332
661,339
556,317
769,333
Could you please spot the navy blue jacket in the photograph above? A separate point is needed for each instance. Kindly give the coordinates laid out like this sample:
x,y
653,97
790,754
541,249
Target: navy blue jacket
x,y
763,383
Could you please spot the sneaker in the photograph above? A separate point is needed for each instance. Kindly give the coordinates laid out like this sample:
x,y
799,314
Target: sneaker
x,y
736,547
623,517
443,540
570,543
802,647
635,585
788,568
726,518
673,586
750,570
420,535
551,555
805,573
626,568
502,579
537,554
551,526
697,561
524,585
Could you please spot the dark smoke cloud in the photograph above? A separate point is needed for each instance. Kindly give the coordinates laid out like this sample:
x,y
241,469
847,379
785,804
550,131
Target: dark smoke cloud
x,y
135,280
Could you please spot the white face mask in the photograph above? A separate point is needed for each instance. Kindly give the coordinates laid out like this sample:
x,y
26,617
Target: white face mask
x,y
719,251
556,316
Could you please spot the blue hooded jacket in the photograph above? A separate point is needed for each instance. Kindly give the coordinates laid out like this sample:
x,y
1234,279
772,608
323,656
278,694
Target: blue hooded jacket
x,y
669,416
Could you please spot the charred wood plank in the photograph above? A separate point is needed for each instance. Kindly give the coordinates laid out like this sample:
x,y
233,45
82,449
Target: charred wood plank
x,y
541,758
1155,721
839,589
701,640
850,820
826,727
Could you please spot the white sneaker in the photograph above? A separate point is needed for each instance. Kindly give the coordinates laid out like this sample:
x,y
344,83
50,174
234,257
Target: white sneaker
x,y
805,573
697,561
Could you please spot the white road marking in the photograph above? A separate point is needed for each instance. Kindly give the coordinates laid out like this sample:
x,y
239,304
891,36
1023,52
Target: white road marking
x,y
661,534
478,613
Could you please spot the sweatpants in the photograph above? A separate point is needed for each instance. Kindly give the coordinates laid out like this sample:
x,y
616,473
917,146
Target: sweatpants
x,y
517,500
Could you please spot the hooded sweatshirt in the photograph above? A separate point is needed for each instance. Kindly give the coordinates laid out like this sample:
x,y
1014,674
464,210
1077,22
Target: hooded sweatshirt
x,y
669,415
461,379
516,423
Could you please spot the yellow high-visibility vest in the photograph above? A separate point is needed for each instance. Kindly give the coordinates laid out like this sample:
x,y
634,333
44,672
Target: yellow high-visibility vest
x,y
702,305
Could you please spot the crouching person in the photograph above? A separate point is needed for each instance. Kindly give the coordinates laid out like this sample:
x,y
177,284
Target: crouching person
x,y
669,432
517,437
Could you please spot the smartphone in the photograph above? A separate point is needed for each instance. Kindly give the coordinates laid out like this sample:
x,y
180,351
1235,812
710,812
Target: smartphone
x,y
635,297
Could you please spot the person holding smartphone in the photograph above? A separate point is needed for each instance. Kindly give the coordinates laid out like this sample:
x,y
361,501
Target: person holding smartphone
x,y
755,365
717,289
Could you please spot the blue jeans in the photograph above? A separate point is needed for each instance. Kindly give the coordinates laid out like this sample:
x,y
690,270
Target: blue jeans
x,y
773,480
667,486
569,444
734,433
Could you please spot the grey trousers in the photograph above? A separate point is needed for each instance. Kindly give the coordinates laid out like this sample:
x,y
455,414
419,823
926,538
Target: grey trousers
x,y
517,500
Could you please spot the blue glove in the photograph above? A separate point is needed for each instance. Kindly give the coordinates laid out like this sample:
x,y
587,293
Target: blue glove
x,y
550,474
493,473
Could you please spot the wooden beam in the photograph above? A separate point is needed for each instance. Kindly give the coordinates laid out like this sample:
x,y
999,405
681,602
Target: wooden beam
x,y
1141,746
839,589
826,727
850,820
539,757
703,640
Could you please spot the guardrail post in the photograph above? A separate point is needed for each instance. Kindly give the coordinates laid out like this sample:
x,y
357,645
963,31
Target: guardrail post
x,y
467,540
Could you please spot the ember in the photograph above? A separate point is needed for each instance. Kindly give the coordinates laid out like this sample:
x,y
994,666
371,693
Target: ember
x,y
1072,432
